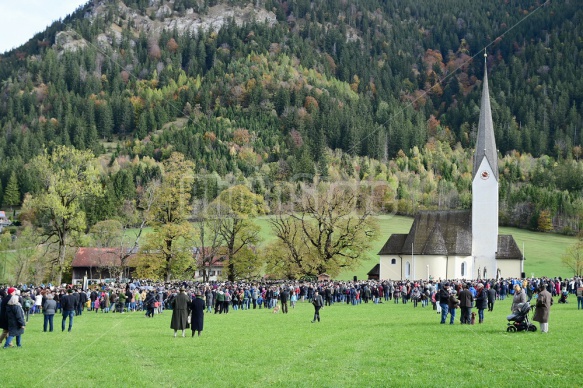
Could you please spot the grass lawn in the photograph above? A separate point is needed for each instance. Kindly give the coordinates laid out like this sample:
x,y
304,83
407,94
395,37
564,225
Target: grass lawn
x,y
368,345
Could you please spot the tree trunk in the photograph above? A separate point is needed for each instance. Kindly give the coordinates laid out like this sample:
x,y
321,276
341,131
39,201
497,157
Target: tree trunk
x,y
61,261
169,260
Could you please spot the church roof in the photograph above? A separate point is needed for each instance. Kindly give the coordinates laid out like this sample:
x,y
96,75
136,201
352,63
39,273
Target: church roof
x,y
394,245
440,233
434,233
507,248
486,143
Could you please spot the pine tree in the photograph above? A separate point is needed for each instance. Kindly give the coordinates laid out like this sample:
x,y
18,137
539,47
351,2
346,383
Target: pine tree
x,y
12,193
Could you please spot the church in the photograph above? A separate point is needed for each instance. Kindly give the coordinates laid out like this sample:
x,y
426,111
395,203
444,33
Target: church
x,y
459,244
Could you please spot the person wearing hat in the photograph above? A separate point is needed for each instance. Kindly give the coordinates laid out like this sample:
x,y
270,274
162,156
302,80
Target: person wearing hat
x,y
180,312
543,307
197,313
3,305
15,321
68,304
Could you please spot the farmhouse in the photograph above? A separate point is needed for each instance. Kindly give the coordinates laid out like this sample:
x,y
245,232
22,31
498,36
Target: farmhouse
x,y
459,243
105,263
100,263
209,265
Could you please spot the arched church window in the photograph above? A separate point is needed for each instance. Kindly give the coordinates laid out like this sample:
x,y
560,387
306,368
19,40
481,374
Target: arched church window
x,y
408,270
393,261
463,269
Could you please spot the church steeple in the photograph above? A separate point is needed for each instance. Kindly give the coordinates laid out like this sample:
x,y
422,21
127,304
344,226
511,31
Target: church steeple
x,y
486,143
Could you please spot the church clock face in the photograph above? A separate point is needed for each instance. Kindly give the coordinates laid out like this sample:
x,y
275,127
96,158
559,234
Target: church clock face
x,y
485,175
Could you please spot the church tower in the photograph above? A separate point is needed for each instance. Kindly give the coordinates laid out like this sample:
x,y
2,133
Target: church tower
x,y
485,192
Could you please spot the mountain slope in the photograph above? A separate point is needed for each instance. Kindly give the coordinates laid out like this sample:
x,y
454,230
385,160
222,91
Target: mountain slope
x,y
238,84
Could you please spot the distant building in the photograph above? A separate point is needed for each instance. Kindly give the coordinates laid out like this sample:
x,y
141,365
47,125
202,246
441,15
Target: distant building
x,y
324,277
99,263
458,243
104,263
4,221
212,267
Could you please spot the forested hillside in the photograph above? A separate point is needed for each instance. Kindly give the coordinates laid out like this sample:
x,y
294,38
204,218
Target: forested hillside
x,y
267,92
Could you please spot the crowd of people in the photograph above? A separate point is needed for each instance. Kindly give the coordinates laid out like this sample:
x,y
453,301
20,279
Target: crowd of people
x,y
189,300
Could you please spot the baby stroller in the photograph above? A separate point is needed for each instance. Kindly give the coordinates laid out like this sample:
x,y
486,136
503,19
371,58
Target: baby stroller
x,y
518,320
563,298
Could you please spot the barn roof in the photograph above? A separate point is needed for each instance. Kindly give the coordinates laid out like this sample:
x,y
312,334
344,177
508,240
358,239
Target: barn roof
x,y
98,257
375,271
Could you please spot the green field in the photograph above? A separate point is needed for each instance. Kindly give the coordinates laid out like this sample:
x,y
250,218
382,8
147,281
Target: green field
x,y
542,251
367,345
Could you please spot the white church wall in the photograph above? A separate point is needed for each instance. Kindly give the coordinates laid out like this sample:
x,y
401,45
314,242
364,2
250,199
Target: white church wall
x,y
508,269
461,267
427,267
390,267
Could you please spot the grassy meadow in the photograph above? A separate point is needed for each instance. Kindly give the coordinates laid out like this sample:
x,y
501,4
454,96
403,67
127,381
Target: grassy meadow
x,y
367,345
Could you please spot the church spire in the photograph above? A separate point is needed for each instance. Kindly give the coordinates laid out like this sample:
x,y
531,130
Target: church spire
x,y
486,143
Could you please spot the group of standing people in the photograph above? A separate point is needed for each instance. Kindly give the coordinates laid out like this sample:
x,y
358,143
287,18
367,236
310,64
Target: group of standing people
x,y
482,297
189,304
183,306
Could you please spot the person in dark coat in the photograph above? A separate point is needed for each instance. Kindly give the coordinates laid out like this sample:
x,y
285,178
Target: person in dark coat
x,y
197,314
284,297
491,298
481,301
318,302
466,301
3,308
15,321
150,304
68,304
180,312
544,302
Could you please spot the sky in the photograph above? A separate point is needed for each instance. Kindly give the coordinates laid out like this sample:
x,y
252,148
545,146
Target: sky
x,y
20,20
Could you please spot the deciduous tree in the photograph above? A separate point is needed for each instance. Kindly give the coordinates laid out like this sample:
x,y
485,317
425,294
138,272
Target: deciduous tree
x,y
168,250
336,234
234,210
66,177
573,257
